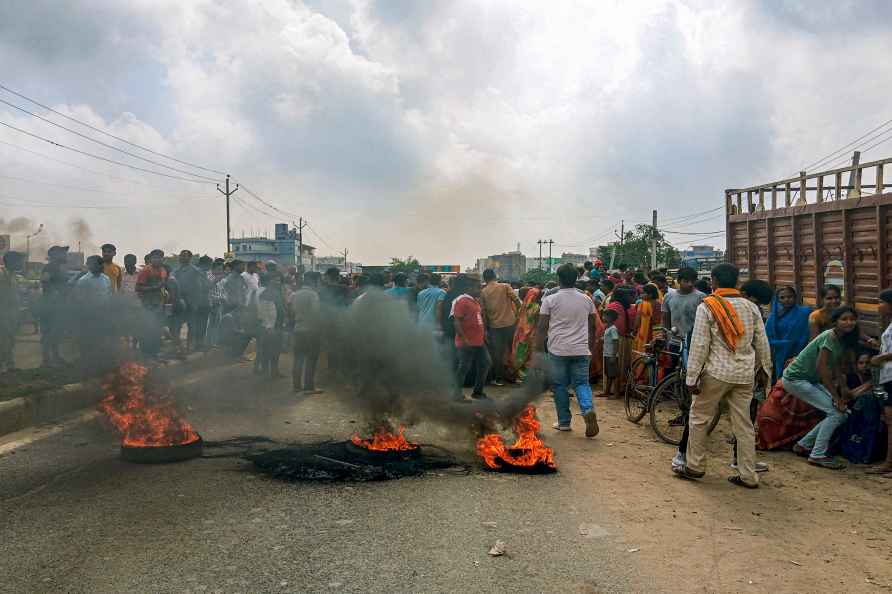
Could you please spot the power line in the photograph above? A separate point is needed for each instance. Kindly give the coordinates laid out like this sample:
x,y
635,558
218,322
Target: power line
x,y
833,154
689,232
81,168
267,204
81,189
107,160
148,150
105,144
29,203
313,231
694,215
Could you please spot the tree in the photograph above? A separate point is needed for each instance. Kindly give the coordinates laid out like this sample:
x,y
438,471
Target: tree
x,y
539,277
407,266
636,249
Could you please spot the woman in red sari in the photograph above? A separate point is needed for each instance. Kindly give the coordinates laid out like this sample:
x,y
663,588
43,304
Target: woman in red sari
x,y
525,335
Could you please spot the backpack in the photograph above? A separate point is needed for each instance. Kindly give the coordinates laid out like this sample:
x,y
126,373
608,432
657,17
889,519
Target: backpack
x,y
859,437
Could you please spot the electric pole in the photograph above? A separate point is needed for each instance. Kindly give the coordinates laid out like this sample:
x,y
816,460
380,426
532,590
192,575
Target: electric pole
x,y
653,245
540,242
300,245
345,262
550,243
227,193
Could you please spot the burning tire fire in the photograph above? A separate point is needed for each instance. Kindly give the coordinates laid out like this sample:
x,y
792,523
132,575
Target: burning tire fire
x,y
162,454
151,430
527,455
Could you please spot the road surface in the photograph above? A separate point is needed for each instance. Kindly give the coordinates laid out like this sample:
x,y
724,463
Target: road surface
x,y
76,518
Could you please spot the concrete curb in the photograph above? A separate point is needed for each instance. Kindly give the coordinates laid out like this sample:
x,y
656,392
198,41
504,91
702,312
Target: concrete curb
x,y
21,413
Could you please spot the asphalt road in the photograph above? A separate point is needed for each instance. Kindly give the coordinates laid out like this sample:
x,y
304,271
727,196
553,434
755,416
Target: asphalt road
x,y
76,518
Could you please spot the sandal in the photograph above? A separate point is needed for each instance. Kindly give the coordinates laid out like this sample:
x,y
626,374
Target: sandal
x,y
684,472
827,462
736,480
884,469
801,451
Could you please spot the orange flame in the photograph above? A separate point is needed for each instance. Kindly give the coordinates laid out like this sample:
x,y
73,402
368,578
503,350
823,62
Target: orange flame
x,y
528,450
143,421
385,441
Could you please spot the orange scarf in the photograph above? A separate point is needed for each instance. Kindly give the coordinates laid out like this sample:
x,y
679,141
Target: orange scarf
x,y
725,316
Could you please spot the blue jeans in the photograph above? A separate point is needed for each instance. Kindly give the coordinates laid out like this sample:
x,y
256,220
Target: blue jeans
x,y
818,439
566,371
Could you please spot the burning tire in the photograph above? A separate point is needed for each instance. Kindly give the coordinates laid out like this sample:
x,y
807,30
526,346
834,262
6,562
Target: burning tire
x,y
162,454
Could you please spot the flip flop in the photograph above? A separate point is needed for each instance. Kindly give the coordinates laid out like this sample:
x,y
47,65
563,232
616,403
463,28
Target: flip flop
x,y
881,470
736,480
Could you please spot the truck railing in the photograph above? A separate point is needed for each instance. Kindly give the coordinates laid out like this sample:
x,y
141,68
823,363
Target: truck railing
x,y
810,188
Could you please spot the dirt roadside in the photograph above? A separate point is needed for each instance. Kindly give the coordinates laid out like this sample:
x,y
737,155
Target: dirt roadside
x,y
804,530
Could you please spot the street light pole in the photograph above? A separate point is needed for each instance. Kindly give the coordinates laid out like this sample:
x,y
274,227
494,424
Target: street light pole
x,y
28,246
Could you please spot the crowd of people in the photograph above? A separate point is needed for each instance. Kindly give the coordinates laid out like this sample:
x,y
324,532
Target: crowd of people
x,y
797,377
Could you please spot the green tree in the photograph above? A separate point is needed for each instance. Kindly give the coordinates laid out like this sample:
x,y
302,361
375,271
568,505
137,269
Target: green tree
x,y
539,277
406,266
636,249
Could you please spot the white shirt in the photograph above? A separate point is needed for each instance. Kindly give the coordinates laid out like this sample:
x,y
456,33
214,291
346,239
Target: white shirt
x,y
886,369
568,327
253,282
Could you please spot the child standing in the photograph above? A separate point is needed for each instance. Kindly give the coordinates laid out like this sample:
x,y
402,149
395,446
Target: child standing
x,y
611,351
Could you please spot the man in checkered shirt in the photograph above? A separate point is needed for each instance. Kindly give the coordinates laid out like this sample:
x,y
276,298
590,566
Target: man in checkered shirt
x,y
729,352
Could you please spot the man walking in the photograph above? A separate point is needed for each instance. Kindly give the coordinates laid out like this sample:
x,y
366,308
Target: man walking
x,y
679,312
470,338
567,319
305,311
728,350
500,306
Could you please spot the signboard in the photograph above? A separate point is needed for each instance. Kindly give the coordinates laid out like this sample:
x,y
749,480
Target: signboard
x,y
454,268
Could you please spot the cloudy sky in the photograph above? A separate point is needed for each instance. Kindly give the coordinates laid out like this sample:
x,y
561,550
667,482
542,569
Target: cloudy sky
x,y
444,130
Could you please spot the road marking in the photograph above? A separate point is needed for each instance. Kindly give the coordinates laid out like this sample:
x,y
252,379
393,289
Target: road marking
x,y
19,439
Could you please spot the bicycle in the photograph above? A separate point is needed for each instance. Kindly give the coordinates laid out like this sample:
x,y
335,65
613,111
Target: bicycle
x,y
670,404
637,394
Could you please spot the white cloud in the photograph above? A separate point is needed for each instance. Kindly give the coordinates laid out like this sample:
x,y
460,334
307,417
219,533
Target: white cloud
x,y
446,130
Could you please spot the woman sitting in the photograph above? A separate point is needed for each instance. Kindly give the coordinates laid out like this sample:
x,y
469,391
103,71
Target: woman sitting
x,y
814,377
819,320
787,328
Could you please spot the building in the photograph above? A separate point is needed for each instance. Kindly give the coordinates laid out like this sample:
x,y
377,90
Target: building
x,y
534,263
323,263
701,251
510,266
283,249
574,259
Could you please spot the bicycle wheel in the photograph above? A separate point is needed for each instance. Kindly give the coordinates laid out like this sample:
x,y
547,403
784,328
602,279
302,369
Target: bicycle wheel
x,y
668,410
638,389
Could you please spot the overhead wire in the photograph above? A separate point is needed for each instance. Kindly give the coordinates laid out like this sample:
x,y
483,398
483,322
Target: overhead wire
x,y
101,158
110,135
92,190
105,144
833,155
82,168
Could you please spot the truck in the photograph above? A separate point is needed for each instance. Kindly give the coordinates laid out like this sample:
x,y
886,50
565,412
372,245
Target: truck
x,y
816,229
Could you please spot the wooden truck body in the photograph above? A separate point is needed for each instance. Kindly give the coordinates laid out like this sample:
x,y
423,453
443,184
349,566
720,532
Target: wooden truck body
x,y
817,229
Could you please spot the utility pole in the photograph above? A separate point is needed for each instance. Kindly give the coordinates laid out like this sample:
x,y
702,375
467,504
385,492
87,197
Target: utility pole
x,y
300,246
653,245
345,262
228,192
540,242
550,243
622,238
28,246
